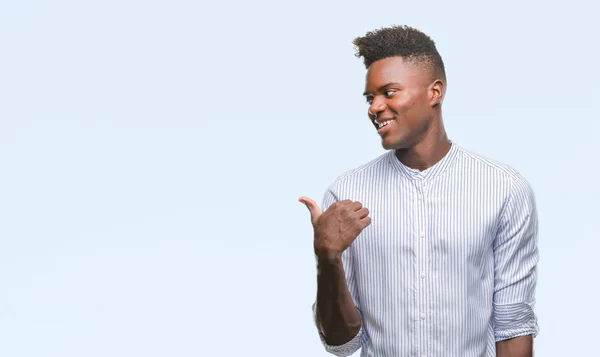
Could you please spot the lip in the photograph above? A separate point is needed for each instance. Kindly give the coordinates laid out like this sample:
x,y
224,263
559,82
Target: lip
x,y
381,120
383,130
377,121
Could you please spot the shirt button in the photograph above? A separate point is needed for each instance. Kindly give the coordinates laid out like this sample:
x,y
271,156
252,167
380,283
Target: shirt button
x,y
423,275
423,316
422,234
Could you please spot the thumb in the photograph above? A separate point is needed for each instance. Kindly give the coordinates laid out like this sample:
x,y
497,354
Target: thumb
x,y
313,208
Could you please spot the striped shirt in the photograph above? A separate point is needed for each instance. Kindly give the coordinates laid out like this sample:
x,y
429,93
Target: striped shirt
x,y
447,266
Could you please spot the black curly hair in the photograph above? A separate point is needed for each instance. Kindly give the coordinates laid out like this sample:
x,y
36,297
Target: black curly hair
x,y
407,42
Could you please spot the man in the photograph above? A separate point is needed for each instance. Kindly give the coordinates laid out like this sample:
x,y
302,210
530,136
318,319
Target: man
x,y
429,249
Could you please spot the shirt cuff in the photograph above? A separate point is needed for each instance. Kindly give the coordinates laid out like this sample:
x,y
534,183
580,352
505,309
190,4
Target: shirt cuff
x,y
347,348
514,320
344,350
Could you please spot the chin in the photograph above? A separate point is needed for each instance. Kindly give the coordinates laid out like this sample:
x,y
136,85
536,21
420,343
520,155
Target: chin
x,y
394,144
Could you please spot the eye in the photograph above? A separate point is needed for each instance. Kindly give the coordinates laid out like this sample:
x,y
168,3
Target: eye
x,y
389,93
369,99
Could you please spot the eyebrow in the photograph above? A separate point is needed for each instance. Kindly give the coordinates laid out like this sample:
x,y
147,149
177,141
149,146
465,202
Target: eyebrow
x,y
383,86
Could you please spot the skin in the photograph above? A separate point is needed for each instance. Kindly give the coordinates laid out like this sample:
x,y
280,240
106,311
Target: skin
x,y
411,96
521,346
334,230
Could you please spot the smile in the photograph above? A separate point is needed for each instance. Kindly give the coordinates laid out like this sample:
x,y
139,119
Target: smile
x,y
382,124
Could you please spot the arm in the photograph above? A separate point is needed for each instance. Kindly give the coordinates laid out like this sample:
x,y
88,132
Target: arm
x,y
521,346
336,310
515,261
336,314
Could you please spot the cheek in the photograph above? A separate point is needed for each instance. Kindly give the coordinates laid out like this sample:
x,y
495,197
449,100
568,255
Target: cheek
x,y
407,107
418,104
402,104
408,100
414,103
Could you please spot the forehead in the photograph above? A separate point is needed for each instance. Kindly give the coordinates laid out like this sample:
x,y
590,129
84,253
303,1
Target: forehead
x,y
394,70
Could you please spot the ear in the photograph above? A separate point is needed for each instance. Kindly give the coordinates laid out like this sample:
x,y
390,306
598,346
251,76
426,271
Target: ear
x,y
436,91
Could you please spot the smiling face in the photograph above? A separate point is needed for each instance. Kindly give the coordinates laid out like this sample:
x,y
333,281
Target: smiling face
x,y
403,99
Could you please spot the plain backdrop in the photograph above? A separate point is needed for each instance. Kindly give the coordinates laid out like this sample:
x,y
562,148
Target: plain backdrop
x,y
152,154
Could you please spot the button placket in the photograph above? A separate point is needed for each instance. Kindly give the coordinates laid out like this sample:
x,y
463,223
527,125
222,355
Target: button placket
x,y
422,265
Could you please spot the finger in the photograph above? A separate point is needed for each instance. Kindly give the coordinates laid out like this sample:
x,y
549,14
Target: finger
x,y
362,213
313,208
342,204
365,222
356,206
351,206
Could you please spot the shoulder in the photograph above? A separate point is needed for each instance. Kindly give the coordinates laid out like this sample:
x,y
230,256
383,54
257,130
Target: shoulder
x,y
492,167
500,174
367,171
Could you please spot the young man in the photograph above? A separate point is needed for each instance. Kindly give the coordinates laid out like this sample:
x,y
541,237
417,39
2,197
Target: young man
x,y
429,249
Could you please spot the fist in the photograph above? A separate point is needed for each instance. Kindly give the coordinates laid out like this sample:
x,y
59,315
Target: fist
x,y
337,227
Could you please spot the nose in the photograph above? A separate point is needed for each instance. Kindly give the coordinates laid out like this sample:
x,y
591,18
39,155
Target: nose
x,y
376,107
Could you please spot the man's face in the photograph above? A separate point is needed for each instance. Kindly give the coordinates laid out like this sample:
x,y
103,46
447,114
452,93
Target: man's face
x,y
400,98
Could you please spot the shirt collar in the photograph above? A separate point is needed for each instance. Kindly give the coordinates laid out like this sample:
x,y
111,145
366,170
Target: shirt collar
x,y
430,172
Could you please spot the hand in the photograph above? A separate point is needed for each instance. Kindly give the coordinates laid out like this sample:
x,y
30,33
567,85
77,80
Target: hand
x,y
337,227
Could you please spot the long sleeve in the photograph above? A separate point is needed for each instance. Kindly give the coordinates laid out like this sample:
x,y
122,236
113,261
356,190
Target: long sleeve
x,y
353,345
515,258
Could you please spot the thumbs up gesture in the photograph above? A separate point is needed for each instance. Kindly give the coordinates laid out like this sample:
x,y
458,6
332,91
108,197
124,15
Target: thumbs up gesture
x,y
337,227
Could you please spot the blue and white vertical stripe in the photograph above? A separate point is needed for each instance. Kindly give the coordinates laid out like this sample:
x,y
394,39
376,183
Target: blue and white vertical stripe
x,y
448,265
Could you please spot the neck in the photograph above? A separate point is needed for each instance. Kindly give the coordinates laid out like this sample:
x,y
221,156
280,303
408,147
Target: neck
x,y
429,150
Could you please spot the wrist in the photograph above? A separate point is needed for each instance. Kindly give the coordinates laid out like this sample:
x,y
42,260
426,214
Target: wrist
x,y
330,257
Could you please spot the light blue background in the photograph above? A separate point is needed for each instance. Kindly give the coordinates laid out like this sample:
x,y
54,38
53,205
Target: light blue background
x,y
152,154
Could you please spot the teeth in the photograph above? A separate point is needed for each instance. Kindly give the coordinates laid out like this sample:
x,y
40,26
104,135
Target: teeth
x,y
381,125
